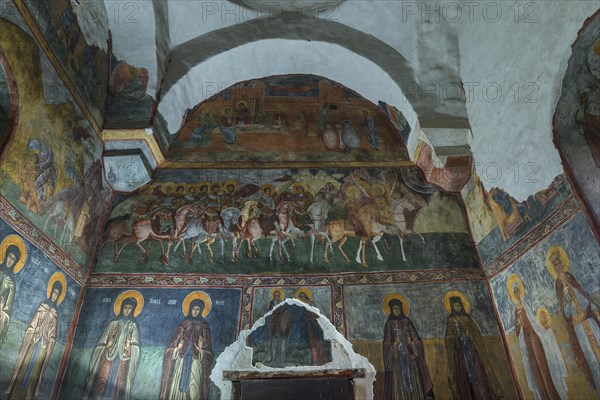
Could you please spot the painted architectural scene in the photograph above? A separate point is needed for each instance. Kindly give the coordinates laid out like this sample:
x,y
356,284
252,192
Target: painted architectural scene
x,y
120,351
429,339
549,305
77,33
498,221
288,118
37,306
265,298
51,169
245,221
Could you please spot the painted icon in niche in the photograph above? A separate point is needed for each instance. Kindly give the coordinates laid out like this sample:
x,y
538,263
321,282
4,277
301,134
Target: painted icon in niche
x,y
581,313
290,336
471,374
116,357
406,373
277,295
13,255
538,363
38,344
188,358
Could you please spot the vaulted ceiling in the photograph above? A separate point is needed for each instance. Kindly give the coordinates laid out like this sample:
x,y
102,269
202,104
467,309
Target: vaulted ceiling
x,y
493,68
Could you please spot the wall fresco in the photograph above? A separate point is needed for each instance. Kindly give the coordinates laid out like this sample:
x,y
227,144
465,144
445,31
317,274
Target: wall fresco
x,y
549,305
265,298
577,114
6,108
232,221
196,324
83,56
418,336
37,307
498,221
298,118
52,171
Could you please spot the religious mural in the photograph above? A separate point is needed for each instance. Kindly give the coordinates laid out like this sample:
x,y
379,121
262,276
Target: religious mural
x,y
429,340
498,221
71,29
242,221
52,170
549,305
128,104
37,306
314,118
291,336
120,352
6,107
265,298
577,114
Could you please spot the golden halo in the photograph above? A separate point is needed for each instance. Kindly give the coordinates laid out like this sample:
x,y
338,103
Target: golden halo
x,y
241,102
563,258
538,314
306,291
202,184
514,279
215,184
225,108
398,296
301,183
277,290
17,241
60,277
145,190
365,110
229,183
456,293
169,188
134,294
265,186
198,294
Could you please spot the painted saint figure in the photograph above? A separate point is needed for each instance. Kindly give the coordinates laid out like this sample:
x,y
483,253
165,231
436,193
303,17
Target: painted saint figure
x,y
581,312
555,360
277,296
38,344
406,373
537,370
13,254
471,374
116,356
188,359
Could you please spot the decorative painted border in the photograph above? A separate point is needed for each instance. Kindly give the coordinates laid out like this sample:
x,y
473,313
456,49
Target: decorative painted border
x,y
18,222
567,210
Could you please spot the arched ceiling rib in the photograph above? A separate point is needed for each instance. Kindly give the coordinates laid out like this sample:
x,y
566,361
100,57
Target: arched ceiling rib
x,y
186,56
256,60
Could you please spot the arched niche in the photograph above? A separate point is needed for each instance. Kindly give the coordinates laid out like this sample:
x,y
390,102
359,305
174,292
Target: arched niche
x,y
577,117
292,351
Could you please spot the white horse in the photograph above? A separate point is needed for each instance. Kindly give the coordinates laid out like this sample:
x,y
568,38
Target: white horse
x,y
318,213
